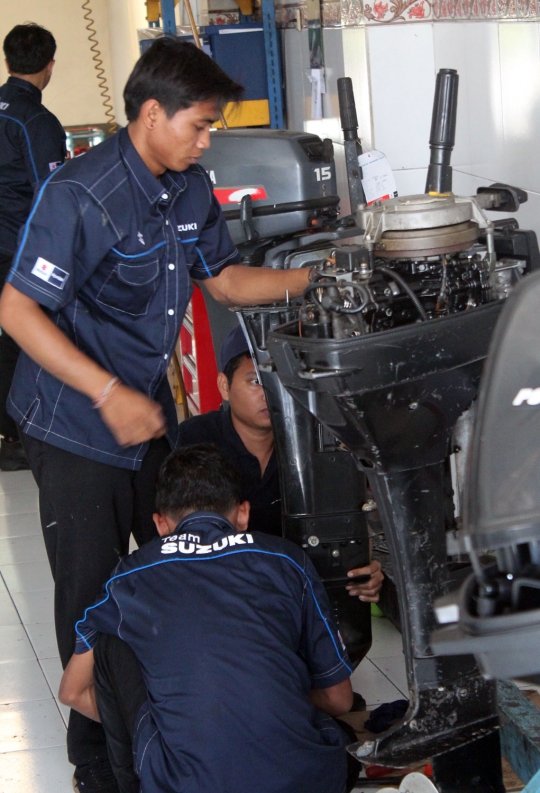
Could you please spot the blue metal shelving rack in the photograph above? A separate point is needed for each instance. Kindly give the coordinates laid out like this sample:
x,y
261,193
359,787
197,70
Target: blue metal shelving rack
x,y
271,49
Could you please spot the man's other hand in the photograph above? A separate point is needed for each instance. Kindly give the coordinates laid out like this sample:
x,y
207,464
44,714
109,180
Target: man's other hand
x,y
132,417
368,592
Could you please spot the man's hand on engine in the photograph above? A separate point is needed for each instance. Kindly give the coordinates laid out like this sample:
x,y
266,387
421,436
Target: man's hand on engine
x,y
368,592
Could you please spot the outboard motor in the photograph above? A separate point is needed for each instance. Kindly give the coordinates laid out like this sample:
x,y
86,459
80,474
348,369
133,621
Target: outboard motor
x,y
496,614
380,360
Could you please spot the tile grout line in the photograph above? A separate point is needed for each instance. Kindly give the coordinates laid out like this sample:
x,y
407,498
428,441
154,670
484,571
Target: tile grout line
x,y
390,679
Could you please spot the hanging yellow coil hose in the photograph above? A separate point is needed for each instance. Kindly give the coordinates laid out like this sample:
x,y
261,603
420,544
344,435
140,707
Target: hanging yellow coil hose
x,y
98,66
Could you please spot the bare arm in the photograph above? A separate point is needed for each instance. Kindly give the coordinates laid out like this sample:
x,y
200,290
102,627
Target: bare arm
x,y
238,285
131,417
77,685
336,700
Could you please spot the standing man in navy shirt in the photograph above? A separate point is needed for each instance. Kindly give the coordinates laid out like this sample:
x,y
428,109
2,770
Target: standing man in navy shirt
x,y
212,658
95,299
32,144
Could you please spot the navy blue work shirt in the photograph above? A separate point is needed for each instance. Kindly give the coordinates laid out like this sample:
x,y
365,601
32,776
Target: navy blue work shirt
x,y
262,491
231,631
109,251
32,144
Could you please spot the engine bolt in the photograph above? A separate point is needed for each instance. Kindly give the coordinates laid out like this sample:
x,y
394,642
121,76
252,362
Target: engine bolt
x,y
463,693
313,541
413,406
388,312
335,553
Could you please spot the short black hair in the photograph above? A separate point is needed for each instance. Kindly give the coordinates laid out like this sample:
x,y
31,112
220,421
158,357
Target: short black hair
x,y
233,365
177,74
197,478
29,48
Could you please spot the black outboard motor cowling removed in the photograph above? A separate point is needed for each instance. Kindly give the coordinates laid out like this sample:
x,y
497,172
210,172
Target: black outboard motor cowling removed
x,y
379,362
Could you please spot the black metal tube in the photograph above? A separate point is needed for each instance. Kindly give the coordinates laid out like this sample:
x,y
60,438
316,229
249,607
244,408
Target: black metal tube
x,y
353,148
443,132
347,108
325,202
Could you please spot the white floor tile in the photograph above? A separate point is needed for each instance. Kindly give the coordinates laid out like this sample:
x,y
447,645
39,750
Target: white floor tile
x,y
14,644
36,770
21,525
22,681
43,639
16,481
35,607
16,503
14,550
52,669
394,669
8,612
373,685
27,576
386,639
30,725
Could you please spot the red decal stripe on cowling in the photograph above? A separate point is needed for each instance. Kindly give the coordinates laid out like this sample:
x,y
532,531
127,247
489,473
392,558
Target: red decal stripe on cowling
x,y
233,195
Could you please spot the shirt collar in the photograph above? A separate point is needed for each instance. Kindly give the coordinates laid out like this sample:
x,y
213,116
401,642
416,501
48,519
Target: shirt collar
x,y
24,84
234,441
210,519
155,190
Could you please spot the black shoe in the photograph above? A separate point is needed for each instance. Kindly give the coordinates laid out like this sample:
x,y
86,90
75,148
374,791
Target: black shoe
x,y
359,703
95,777
12,456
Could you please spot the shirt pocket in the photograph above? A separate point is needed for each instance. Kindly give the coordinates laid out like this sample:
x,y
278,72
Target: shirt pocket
x,y
129,288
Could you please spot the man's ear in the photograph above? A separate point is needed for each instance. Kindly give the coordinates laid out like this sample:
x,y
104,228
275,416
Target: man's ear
x,y
223,386
149,113
164,524
241,517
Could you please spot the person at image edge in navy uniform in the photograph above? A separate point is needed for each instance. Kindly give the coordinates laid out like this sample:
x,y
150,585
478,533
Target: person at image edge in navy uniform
x,y
95,299
32,144
230,680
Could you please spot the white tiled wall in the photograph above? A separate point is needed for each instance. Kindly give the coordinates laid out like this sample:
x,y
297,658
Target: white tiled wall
x,y
394,68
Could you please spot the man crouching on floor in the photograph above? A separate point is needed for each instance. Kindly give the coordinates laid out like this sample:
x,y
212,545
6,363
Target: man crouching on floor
x,y
212,658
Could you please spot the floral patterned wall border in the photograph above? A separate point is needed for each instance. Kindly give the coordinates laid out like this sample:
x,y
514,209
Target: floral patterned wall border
x,y
356,13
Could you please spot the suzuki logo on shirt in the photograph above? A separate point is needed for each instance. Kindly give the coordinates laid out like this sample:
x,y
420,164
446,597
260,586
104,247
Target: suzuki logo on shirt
x,y
187,227
49,272
186,544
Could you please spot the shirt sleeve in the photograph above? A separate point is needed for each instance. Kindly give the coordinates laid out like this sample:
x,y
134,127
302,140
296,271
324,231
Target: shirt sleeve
x,y
65,238
322,646
215,250
44,146
103,617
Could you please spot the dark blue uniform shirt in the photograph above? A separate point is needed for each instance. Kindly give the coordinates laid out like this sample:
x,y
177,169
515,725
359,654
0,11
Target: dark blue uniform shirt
x,y
109,251
232,631
32,144
262,492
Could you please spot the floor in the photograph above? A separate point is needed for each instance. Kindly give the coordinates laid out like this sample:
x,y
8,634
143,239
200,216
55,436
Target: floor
x,y
32,721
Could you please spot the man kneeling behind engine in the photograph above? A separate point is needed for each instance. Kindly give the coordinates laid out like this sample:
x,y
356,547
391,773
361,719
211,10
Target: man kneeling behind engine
x,y
212,658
